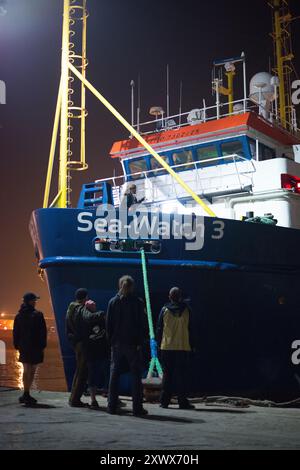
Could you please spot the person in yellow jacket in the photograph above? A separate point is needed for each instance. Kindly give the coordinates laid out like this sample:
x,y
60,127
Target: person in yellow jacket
x,y
175,338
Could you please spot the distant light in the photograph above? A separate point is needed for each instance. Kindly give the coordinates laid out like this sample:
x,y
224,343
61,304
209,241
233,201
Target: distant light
x,y
2,314
5,328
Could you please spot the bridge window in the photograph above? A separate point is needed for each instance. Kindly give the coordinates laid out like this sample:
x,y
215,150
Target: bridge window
x,y
266,153
185,156
157,166
232,148
137,166
208,153
252,144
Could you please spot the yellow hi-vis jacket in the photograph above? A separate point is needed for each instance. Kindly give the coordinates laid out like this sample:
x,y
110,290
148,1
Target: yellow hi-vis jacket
x,y
174,323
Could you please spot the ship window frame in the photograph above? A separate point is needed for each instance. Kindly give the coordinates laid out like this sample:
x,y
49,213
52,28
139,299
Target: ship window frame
x,y
129,174
159,171
242,140
261,148
184,167
252,155
200,163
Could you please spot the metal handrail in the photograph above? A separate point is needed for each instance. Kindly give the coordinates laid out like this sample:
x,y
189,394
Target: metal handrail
x,y
195,164
248,105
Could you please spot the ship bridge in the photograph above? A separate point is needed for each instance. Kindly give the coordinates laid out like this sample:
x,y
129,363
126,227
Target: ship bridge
x,y
215,157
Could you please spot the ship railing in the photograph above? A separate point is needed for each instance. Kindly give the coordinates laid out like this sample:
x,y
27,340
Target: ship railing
x,y
153,184
211,113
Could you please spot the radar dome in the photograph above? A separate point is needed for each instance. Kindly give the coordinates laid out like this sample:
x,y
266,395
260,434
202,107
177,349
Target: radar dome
x,y
238,108
262,88
195,116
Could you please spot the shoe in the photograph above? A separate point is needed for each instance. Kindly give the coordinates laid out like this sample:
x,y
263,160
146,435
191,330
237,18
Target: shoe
x,y
164,406
112,412
187,406
94,405
140,413
29,400
22,399
78,404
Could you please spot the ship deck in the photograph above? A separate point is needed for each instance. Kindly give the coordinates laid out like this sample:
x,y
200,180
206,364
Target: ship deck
x,y
54,425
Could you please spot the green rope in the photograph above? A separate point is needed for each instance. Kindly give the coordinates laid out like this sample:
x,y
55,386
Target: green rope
x,y
154,363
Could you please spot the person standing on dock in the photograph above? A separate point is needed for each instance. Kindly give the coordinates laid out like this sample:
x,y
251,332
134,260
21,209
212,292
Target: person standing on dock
x,y
96,352
77,319
174,337
125,328
30,339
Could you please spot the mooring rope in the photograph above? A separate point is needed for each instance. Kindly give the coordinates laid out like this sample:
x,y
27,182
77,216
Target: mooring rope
x,y
154,363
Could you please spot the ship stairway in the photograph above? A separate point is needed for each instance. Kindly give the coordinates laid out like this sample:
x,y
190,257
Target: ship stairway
x,y
95,194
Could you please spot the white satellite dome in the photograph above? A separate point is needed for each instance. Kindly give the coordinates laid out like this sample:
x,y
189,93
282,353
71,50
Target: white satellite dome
x,y
262,88
170,124
238,108
195,116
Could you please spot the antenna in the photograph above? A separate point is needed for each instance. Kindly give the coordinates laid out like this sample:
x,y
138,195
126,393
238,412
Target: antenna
x,y
139,103
132,84
180,102
243,56
168,93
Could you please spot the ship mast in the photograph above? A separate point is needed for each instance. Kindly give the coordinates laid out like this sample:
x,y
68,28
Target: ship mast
x,y
284,68
71,104
73,66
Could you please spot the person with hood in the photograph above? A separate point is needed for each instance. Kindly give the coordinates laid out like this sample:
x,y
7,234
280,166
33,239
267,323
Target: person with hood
x,y
125,329
175,338
78,318
131,198
30,339
96,351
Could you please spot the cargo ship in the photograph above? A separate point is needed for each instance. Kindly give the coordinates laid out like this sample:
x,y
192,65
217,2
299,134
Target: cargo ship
x,y
219,217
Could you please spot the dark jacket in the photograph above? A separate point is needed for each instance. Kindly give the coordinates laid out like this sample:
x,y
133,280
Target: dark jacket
x,y
78,318
126,321
131,199
95,344
30,331
174,327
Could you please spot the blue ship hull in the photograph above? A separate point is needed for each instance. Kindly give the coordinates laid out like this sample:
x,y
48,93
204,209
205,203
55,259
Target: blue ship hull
x,y
243,290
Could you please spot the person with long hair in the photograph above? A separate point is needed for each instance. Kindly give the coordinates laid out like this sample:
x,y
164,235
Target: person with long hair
x,y
125,329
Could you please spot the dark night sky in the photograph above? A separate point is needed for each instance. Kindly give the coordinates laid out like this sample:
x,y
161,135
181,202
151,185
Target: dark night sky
x,y
125,38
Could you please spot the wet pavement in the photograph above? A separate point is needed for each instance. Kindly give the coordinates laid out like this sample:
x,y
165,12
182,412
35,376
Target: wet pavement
x,y
54,425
